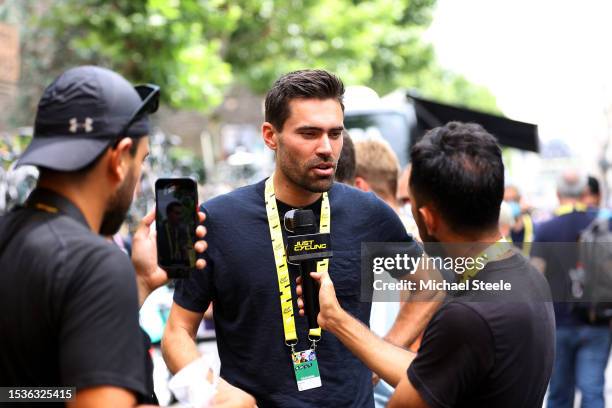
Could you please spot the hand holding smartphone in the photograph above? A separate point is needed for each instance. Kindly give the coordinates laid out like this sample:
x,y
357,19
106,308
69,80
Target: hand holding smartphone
x,y
176,219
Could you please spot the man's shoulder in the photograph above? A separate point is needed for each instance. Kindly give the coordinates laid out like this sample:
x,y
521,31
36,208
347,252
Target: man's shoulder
x,y
54,231
461,316
57,247
346,196
548,230
344,192
565,224
84,249
522,301
236,200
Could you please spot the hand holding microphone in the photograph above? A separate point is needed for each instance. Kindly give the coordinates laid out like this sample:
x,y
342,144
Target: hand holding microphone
x,y
330,310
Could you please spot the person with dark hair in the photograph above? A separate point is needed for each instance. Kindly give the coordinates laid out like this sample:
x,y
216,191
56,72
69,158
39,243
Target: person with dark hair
x,y
248,280
69,298
345,171
481,348
455,160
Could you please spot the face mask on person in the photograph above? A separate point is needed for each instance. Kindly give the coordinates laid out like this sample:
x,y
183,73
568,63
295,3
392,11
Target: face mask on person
x,y
515,207
406,210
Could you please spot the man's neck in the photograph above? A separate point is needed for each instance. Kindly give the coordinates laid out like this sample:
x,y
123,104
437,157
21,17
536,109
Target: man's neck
x,y
568,201
291,194
392,202
470,245
88,202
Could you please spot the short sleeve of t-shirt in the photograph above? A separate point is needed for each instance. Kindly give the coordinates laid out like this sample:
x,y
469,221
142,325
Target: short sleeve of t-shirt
x,y
456,353
196,292
100,341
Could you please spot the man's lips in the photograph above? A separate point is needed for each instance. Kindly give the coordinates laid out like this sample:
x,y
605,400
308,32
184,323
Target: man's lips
x,y
324,169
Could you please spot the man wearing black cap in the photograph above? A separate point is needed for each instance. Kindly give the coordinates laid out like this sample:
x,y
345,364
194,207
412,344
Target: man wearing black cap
x,y
68,298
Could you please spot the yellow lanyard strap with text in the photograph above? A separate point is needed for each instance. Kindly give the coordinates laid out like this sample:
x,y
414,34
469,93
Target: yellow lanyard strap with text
x,y
280,259
493,253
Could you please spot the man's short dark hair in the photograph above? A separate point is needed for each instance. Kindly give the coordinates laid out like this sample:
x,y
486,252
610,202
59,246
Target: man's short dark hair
x,y
304,84
347,166
458,168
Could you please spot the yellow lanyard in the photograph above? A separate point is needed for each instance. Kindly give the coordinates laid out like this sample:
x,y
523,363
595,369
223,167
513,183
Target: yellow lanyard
x,y
280,259
570,208
527,234
46,208
492,253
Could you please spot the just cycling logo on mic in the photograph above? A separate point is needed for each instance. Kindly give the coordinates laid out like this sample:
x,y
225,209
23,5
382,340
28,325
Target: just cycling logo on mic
x,y
308,245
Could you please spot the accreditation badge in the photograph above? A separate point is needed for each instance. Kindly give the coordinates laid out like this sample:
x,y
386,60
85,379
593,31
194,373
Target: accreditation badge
x,y
306,369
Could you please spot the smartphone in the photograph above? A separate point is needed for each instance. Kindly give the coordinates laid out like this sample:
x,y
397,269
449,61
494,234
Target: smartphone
x,y
176,219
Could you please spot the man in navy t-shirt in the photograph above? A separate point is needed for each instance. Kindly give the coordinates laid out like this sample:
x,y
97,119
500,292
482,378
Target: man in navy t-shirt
x,y
582,343
304,124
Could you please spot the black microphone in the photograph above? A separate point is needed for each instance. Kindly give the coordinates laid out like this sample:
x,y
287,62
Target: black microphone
x,y
306,247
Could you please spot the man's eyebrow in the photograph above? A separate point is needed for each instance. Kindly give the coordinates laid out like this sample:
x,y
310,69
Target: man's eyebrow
x,y
317,129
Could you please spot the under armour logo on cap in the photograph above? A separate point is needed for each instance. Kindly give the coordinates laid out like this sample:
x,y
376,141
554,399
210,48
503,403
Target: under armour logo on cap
x,y
87,125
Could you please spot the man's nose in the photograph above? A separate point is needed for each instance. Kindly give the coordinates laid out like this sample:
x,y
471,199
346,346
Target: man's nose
x,y
324,148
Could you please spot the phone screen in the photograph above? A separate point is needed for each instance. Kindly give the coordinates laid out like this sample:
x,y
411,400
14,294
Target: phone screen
x,y
176,220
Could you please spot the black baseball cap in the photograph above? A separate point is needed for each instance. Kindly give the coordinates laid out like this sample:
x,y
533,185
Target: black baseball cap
x,y
83,112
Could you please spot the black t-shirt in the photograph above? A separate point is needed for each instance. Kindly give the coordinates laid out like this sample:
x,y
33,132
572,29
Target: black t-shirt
x,y
486,349
68,303
241,281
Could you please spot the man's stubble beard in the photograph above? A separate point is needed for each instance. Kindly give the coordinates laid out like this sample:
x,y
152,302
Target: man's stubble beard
x,y
118,206
431,244
300,176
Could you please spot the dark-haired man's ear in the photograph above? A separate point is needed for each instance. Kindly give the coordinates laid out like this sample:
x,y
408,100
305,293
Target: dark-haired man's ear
x,y
119,159
430,219
270,136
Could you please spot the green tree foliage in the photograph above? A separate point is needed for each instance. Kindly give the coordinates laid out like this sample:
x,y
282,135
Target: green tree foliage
x,y
176,44
196,48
